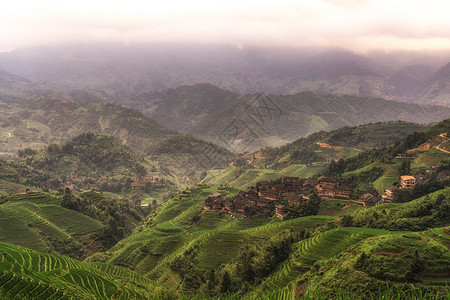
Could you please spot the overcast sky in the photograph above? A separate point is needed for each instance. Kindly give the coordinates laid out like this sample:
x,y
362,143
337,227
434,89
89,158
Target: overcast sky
x,y
359,25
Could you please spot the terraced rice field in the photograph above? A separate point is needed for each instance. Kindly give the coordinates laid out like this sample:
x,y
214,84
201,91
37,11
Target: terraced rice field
x,y
250,177
221,247
26,217
24,272
297,224
332,207
36,197
9,187
390,176
146,254
432,157
320,247
210,221
178,210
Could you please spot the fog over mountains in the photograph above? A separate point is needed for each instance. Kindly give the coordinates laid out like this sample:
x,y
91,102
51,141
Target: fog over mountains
x,y
110,68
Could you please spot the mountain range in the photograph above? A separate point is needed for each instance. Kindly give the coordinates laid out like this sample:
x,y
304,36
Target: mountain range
x,y
107,69
254,121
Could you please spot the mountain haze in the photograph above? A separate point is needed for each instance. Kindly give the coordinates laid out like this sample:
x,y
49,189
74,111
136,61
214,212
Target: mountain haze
x,y
107,69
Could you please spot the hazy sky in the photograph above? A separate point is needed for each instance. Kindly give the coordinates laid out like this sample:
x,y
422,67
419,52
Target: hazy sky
x,y
356,24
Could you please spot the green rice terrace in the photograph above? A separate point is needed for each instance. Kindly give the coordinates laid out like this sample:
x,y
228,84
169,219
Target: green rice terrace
x,y
28,219
243,179
25,274
215,241
147,264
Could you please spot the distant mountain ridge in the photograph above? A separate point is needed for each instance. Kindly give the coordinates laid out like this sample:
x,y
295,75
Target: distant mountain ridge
x,y
6,77
436,89
253,121
109,69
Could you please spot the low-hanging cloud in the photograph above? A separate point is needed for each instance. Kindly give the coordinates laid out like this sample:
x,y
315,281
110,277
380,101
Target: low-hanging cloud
x,y
360,25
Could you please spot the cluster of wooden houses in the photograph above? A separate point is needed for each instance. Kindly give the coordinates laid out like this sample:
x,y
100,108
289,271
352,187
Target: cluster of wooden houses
x,y
268,198
262,200
334,188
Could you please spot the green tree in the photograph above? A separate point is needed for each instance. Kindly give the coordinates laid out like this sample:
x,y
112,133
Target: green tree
x,y
347,221
405,167
225,282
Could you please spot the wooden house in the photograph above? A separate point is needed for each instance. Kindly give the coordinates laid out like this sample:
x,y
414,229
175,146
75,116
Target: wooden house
x,y
281,211
388,194
227,205
239,203
442,175
213,202
264,202
217,204
290,180
369,199
279,188
295,199
344,190
420,178
332,182
269,194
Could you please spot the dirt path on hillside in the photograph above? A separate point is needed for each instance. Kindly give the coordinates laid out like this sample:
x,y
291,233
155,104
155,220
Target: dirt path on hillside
x,y
443,150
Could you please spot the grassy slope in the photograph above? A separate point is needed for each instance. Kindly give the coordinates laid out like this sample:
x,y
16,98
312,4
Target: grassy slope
x,y
426,156
306,253
8,187
421,161
306,113
26,219
325,263
87,155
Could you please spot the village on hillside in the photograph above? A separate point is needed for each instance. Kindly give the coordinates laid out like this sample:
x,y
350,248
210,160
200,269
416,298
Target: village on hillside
x,y
276,198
